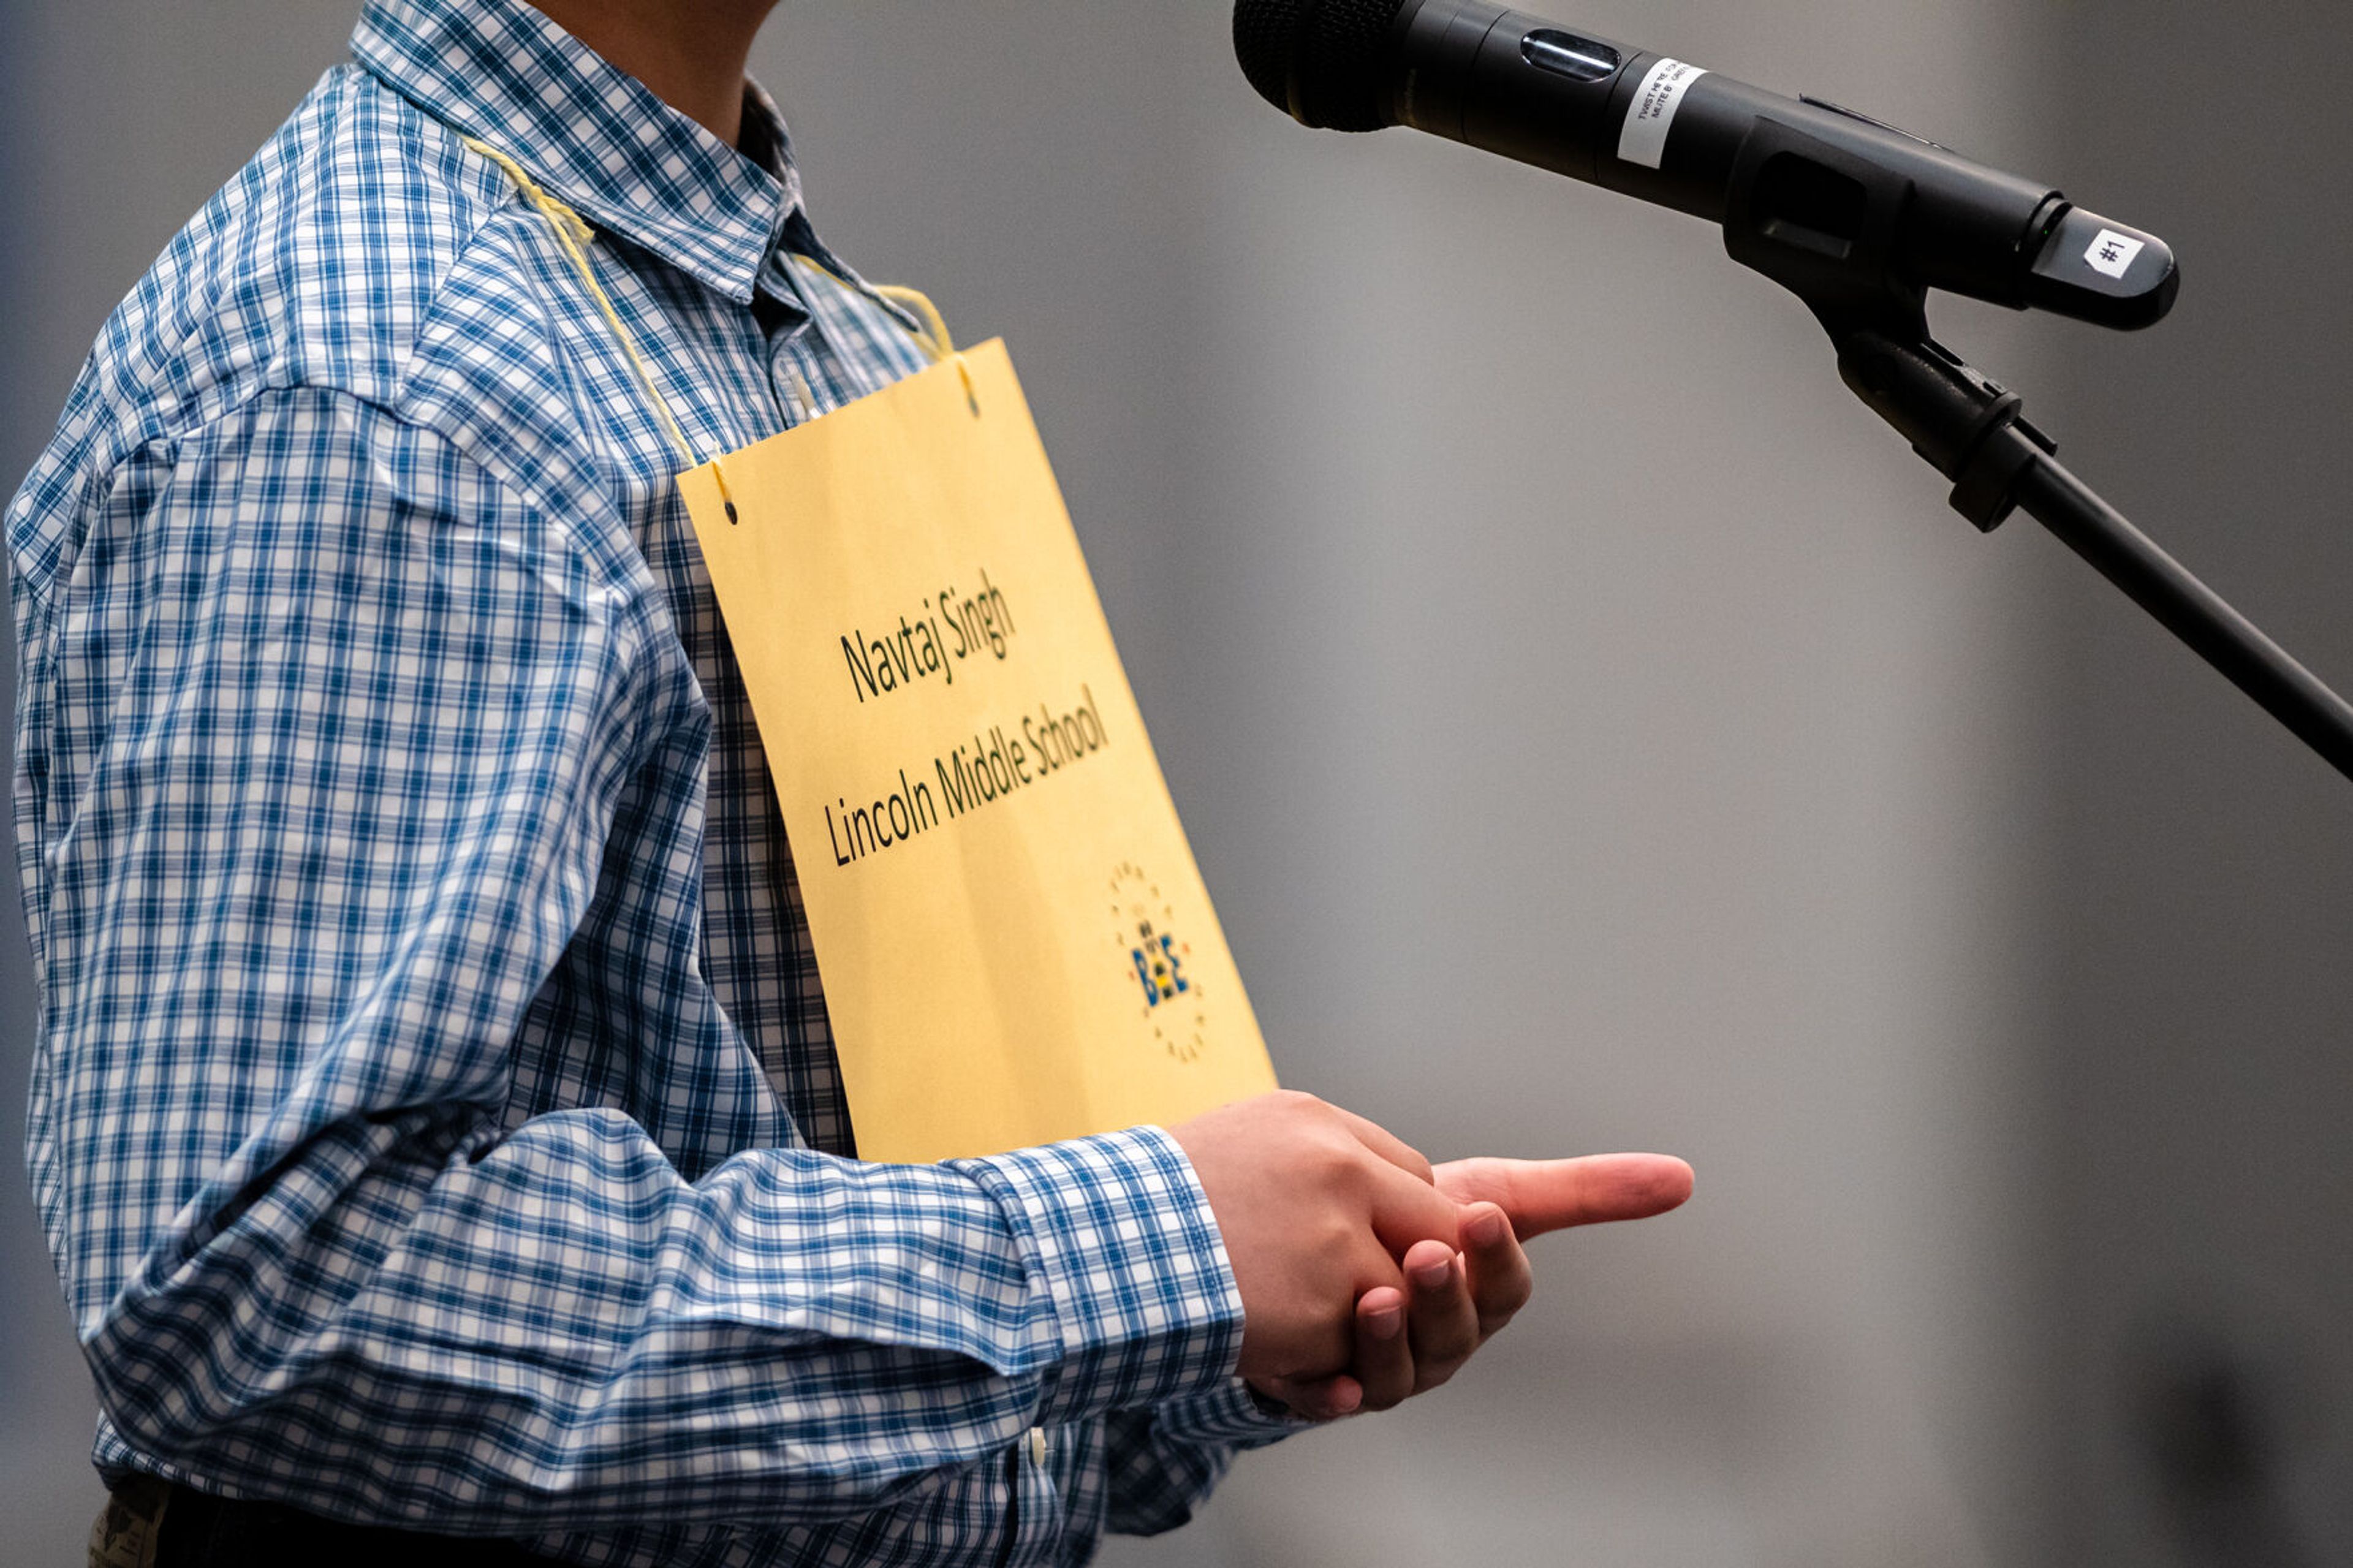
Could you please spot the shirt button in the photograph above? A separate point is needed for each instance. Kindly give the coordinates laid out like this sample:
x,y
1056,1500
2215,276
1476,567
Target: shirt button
x,y
1037,1445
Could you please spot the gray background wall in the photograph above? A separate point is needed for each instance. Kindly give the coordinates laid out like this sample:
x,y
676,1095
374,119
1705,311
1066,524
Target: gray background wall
x,y
1597,735
2199,896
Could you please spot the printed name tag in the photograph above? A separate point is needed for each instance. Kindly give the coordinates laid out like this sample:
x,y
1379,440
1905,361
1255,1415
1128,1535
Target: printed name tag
x,y
1015,941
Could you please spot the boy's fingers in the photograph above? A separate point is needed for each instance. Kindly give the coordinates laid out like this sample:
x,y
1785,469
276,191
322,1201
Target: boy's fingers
x,y
1406,1210
1384,1363
1541,1195
1501,1280
1386,1145
1445,1321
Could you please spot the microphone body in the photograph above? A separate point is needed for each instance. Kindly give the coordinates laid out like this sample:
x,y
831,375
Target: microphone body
x,y
1808,192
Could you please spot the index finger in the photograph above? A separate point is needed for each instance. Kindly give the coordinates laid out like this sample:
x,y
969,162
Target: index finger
x,y
1386,1145
1406,1209
1542,1195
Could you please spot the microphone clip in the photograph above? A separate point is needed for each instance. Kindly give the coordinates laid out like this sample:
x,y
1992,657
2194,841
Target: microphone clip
x,y
1828,223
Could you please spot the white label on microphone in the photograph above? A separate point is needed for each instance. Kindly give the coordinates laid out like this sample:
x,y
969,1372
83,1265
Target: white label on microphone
x,y
1644,141
2114,253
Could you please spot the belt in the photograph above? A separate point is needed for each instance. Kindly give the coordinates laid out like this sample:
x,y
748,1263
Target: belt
x,y
150,1523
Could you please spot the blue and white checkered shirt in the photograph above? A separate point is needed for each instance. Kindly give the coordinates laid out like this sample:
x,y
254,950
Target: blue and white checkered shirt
x,y
434,1115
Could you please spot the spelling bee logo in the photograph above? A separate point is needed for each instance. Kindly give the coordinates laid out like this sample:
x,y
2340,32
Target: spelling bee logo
x,y
1152,963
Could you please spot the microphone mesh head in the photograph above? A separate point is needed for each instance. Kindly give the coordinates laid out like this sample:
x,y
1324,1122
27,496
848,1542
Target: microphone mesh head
x,y
1323,61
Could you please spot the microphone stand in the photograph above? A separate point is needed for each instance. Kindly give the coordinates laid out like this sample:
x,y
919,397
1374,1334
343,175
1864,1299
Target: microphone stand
x,y
1969,428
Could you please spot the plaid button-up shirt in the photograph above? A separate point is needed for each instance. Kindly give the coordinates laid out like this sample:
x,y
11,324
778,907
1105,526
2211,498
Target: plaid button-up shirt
x,y
434,1116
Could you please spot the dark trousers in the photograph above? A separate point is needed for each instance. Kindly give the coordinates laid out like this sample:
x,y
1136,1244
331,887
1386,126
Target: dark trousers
x,y
194,1531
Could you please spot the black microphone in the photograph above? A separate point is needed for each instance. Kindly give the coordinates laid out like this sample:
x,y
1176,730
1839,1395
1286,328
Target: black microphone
x,y
1839,207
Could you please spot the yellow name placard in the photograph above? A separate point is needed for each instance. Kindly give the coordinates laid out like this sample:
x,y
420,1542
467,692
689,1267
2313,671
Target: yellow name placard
x,y
1015,943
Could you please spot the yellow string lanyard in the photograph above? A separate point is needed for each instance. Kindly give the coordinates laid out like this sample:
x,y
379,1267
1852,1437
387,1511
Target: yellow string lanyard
x,y
932,337
574,235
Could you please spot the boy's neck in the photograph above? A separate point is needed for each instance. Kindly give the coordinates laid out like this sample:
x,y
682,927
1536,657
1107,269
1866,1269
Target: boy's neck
x,y
691,54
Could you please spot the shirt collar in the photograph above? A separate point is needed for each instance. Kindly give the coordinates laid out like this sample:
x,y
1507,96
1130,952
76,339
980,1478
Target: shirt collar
x,y
592,135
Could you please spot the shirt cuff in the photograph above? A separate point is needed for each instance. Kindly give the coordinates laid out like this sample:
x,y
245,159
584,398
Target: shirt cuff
x,y
1229,1415
1118,1233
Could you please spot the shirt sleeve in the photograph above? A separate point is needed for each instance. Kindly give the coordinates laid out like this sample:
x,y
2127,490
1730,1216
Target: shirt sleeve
x,y
324,737
1165,1462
